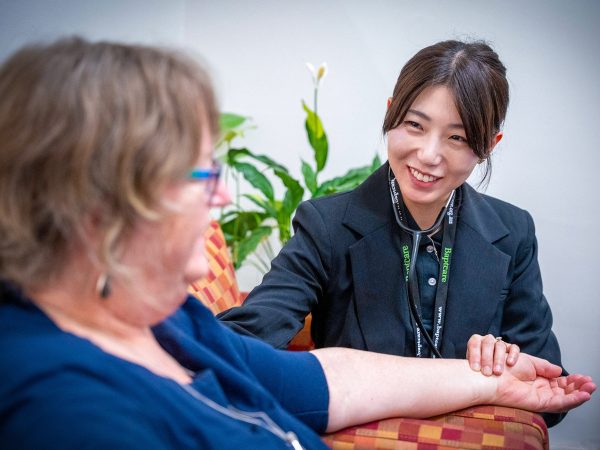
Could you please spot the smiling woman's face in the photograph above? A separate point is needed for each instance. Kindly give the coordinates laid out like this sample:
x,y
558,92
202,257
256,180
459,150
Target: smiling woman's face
x,y
428,152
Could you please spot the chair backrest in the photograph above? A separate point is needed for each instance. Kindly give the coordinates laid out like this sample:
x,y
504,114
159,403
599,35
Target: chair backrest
x,y
219,290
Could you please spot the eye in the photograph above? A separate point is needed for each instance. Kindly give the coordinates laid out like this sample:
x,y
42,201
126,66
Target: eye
x,y
413,124
458,138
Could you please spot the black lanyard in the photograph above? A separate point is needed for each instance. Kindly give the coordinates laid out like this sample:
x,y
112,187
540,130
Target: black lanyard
x,y
408,237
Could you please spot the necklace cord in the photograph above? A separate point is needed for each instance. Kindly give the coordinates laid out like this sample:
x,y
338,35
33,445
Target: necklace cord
x,y
412,288
257,418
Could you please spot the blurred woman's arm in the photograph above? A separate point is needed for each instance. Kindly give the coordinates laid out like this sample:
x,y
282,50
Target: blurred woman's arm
x,y
365,386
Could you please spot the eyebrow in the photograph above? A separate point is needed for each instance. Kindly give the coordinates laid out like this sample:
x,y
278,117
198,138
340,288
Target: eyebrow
x,y
427,118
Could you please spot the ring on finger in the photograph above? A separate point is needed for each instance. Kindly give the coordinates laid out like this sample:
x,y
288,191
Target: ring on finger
x,y
506,344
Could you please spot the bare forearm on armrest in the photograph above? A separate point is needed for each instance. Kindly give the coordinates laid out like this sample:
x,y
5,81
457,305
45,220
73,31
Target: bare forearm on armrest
x,y
365,386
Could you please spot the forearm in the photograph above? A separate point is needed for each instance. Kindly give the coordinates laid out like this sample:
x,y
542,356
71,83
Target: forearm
x,y
365,386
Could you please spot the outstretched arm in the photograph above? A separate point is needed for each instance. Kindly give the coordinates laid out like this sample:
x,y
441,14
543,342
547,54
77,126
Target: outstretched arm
x,y
366,386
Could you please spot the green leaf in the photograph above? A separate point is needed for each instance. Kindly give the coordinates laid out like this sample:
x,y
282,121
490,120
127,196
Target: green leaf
x,y
236,224
248,244
294,192
284,220
349,180
269,207
235,154
255,178
231,128
376,163
229,121
316,137
310,177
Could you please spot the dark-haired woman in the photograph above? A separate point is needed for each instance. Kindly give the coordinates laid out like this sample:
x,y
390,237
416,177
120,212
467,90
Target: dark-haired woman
x,y
475,281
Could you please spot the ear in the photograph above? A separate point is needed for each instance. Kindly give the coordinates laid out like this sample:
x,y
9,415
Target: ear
x,y
389,102
497,139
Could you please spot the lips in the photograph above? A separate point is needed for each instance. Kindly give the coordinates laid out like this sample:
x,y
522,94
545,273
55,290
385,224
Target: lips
x,y
426,178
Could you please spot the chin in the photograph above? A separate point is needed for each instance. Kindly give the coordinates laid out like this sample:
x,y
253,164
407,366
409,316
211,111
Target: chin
x,y
176,298
196,269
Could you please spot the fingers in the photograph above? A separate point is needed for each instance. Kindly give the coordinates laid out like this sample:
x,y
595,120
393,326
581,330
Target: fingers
x,y
576,382
490,354
568,392
488,349
513,354
500,350
563,401
474,352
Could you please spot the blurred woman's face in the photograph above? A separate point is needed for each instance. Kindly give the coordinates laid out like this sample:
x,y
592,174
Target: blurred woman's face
x,y
169,254
428,152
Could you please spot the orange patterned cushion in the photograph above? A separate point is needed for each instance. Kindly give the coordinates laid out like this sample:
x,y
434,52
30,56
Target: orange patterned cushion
x,y
480,427
303,340
219,290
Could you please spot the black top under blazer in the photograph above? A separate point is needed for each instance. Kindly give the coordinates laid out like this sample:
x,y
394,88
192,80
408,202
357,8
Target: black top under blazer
x,y
344,265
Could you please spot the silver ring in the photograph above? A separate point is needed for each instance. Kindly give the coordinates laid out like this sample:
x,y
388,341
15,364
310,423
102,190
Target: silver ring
x,y
499,338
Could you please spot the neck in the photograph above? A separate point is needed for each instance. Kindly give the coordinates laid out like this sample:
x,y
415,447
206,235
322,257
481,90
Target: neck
x,y
425,215
86,317
112,324
72,302
91,318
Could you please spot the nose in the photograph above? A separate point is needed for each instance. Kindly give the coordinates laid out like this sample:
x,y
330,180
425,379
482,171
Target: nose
x,y
221,197
430,152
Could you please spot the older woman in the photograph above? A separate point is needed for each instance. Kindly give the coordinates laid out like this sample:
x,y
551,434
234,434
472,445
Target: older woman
x,y
106,180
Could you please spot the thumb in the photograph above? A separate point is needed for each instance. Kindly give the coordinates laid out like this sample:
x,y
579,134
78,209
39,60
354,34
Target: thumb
x,y
545,368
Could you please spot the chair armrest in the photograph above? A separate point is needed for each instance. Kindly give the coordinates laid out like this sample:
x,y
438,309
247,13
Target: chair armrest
x,y
489,427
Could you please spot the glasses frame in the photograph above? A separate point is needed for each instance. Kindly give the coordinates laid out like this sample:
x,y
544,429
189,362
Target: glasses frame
x,y
210,175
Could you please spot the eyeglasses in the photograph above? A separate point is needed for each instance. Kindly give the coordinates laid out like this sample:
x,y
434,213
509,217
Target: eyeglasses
x,y
210,175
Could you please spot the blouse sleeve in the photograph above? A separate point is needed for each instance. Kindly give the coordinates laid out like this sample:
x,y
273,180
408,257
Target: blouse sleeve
x,y
295,379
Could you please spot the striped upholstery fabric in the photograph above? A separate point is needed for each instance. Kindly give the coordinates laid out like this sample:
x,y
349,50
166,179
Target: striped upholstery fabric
x,y
219,289
480,427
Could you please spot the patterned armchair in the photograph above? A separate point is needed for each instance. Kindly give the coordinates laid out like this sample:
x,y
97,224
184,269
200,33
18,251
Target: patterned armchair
x,y
481,427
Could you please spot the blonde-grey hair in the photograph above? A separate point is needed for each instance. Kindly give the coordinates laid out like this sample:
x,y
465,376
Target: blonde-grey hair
x,y
91,130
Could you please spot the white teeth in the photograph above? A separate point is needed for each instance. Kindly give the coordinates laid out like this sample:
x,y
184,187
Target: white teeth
x,y
422,177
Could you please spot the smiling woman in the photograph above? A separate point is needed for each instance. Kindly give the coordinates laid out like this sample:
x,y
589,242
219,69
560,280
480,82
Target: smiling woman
x,y
471,286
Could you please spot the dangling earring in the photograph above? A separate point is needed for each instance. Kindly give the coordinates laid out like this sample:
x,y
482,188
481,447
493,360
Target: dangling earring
x,y
103,286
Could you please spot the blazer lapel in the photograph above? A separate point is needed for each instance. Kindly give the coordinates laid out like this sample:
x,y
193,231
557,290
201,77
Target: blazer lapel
x,y
477,274
381,309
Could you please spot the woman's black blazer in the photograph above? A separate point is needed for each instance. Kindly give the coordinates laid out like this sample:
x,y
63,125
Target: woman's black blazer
x,y
344,265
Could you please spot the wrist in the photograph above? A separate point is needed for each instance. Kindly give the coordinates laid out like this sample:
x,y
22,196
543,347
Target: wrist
x,y
485,388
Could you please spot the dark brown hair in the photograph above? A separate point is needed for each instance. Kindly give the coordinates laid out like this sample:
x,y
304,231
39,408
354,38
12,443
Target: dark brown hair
x,y
91,129
475,76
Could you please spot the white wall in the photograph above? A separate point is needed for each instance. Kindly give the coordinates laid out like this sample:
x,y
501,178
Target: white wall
x,y
257,50
144,21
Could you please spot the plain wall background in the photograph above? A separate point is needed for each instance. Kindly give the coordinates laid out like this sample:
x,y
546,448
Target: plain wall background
x,y
256,50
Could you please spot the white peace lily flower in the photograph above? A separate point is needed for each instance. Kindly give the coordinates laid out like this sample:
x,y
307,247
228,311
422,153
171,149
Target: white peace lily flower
x,y
322,71
317,74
